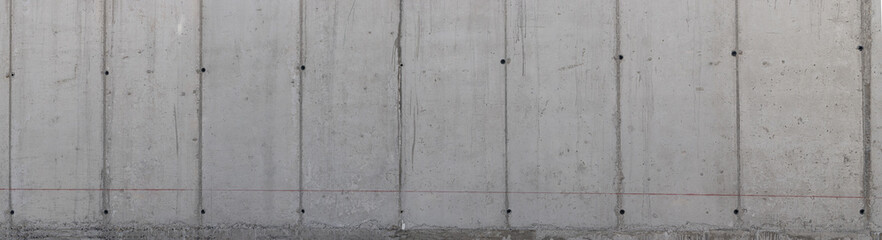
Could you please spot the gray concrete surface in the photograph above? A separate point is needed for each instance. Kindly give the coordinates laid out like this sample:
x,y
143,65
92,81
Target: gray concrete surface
x,y
801,114
250,159
455,119
153,125
350,112
875,116
56,112
679,112
453,107
561,113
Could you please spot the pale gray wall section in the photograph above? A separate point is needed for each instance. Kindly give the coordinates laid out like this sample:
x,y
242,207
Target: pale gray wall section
x,y
350,112
57,111
561,113
250,112
801,113
678,112
152,110
800,100
453,113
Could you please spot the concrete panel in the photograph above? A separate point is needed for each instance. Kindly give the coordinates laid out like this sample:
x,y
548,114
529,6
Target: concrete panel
x,y
57,111
250,117
152,111
453,113
679,112
801,115
561,120
350,113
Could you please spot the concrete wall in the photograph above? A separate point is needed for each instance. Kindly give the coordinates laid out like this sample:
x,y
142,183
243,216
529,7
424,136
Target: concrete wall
x,y
440,119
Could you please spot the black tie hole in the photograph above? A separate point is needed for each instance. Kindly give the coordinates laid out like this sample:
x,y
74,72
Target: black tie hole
x,y
202,211
622,211
621,57
302,67
402,211
11,212
502,61
106,72
860,48
304,211
106,212
736,211
202,70
862,212
507,210
734,53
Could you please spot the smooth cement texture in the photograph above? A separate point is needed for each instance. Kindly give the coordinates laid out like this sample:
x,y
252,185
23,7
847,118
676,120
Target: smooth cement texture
x,y
509,119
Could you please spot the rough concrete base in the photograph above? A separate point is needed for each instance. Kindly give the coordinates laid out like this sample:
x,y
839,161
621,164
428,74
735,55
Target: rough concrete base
x,y
255,232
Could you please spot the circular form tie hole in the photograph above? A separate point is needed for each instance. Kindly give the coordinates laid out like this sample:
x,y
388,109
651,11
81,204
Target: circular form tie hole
x,y
734,53
11,212
736,211
106,72
860,48
502,61
304,210
202,212
302,67
862,212
621,57
203,69
622,211
106,212
507,210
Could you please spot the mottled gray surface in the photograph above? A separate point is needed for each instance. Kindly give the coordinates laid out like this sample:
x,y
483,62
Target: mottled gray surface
x,y
801,113
430,119
561,108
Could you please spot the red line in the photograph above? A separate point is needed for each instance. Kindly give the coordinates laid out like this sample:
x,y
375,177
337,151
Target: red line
x,y
436,192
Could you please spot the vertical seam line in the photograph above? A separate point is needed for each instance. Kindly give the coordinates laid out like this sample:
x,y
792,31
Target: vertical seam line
x,y
505,115
105,179
400,116
200,205
737,50
9,116
866,80
620,177
301,73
